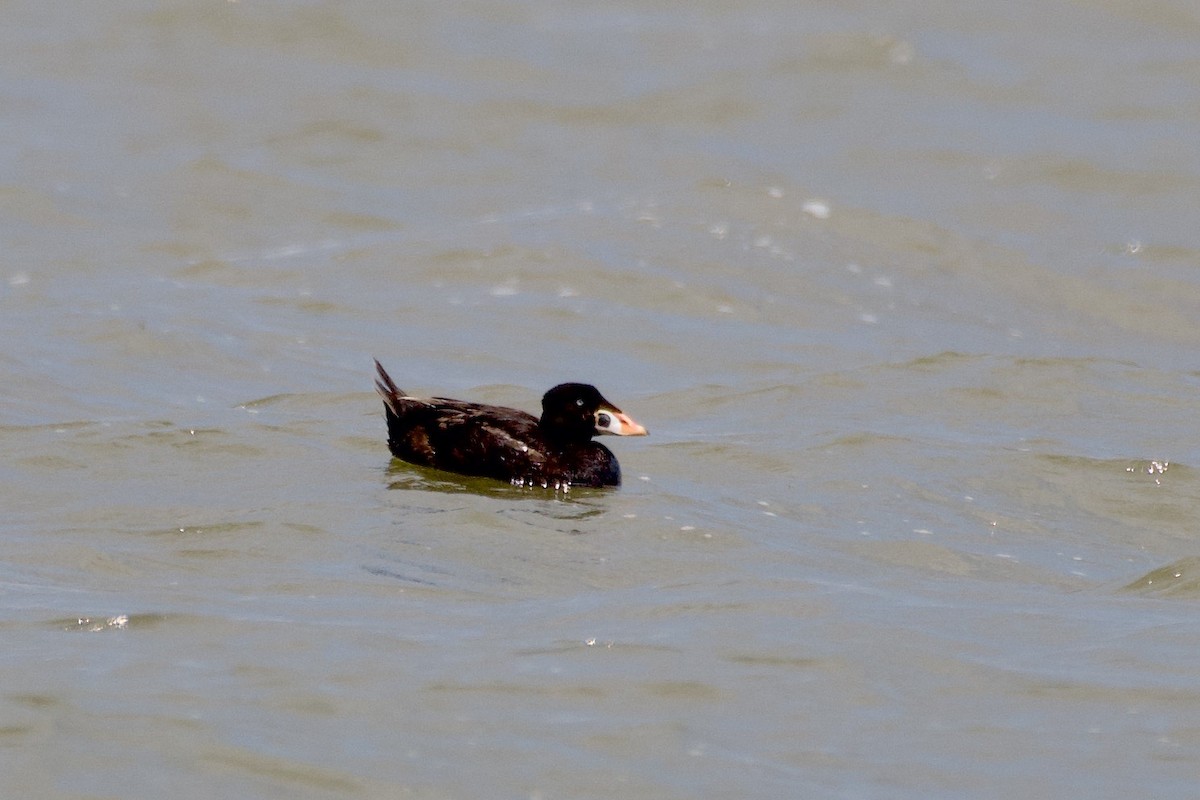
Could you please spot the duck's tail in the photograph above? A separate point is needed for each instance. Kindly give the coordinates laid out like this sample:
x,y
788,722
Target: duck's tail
x,y
387,389
393,403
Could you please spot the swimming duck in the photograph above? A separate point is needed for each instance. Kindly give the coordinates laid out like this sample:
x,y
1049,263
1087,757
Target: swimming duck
x,y
505,443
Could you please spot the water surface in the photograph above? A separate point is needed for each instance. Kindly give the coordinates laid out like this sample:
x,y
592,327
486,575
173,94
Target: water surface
x,y
907,298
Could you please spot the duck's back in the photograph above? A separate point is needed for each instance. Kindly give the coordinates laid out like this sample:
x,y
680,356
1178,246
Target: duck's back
x,y
468,438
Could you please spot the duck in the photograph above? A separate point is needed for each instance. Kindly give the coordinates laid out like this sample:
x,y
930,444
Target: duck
x,y
555,450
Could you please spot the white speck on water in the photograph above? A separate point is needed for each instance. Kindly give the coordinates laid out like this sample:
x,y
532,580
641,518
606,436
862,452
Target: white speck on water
x,y
18,279
119,622
724,308
719,231
901,53
923,531
869,319
285,251
687,527
883,280
817,209
775,192
853,268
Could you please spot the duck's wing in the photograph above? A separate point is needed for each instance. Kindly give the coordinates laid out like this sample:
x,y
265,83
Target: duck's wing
x,y
467,440
478,439
458,436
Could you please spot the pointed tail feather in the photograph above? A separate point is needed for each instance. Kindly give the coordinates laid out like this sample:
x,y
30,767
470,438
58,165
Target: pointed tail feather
x,y
387,388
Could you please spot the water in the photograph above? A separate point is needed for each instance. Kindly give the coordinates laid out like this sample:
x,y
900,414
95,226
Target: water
x,y
907,298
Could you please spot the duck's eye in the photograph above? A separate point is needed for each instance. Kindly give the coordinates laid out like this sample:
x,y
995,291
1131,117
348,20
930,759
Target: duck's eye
x,y
603,420
579,402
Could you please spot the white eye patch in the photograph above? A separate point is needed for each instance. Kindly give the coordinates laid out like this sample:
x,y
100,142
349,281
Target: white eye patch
x,y
616,423
607,422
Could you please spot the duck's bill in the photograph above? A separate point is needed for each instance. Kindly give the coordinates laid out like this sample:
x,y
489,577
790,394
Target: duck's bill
x,y
617,423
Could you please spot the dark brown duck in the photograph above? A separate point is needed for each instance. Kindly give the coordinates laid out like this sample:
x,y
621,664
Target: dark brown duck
x,y
505,443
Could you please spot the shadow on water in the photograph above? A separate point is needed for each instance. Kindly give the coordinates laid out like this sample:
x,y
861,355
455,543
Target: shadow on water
x,y
455,533
1179,580
405,476
535,506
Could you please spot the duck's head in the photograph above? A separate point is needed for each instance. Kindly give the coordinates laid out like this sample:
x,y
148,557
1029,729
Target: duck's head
x,y
577,412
